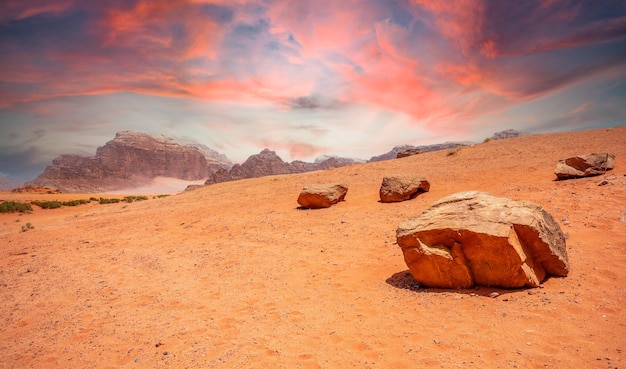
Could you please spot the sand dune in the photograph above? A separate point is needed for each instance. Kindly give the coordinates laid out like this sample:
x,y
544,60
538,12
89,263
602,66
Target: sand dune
x,y
233,275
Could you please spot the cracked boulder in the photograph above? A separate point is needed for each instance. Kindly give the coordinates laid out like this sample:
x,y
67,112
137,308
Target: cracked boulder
x,y
584,165
473,238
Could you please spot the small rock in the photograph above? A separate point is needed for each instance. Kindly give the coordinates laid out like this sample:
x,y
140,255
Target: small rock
x,y
316,196
165,353
494,295
584,165
603,183
402,187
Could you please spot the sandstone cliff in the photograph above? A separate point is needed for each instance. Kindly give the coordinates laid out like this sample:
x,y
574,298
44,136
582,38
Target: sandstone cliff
x,y
129,160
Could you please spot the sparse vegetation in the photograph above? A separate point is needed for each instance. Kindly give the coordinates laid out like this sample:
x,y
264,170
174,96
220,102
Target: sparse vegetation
x,y
93,199
160,196
12,207
75,202
48,204
487,140
27,227
453,151
130,199
108,201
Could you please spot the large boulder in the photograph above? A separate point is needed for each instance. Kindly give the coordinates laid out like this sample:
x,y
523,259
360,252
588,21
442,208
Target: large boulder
x,y
473,238
584,165
401,187
316,196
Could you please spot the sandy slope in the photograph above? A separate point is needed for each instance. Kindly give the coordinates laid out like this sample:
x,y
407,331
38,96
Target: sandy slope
x,y
235,276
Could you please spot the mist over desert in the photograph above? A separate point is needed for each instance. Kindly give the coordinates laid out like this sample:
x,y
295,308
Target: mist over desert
x,y
235,275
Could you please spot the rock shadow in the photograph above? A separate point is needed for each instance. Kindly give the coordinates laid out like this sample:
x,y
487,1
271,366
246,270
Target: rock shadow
x,y
404,280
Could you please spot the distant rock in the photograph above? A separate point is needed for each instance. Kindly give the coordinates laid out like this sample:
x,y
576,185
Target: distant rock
x,y
35,190
584,166
8,183
317,196
401,187
473,238
509,133
393,154
131,159
334,158
215,160
268,163
409,152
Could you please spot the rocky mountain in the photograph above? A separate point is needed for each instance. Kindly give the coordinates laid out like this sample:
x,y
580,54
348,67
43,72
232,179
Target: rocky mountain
x,y
268,163
214,159
509,133
393,154
129,160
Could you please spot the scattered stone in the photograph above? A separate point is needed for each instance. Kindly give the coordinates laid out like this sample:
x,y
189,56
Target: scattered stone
x,y
603,183
584,165
493,295
401,187
408,152
165,353
473,238
316,196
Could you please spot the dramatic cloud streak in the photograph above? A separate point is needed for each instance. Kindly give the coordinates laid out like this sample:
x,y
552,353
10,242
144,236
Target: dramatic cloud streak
x,y
362,76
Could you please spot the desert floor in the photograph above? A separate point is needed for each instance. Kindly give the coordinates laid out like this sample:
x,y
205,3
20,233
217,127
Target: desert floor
x,y
234,275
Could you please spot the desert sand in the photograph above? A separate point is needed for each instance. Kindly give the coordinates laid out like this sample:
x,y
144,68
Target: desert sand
x,y
234,275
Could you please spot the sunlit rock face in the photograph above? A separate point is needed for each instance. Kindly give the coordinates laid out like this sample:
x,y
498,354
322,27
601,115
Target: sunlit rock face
x,y
131,159
473,238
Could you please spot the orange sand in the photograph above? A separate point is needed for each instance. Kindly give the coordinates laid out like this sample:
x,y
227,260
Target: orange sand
x,y
233,275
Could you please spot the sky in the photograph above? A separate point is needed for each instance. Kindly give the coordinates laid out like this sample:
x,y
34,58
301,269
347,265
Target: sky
x,y
304,78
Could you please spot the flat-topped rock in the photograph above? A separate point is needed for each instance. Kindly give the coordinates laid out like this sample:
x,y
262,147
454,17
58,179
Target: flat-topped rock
x,y
584,165
316,196
473,238
402,187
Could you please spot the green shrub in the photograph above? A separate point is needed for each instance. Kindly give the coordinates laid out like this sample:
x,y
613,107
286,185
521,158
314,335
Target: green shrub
x,y
74,202
453,151
12,207
48,204
108,201
160,196
93,199
134,198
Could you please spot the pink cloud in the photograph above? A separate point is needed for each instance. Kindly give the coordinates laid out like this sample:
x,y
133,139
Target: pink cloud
x,y
17,9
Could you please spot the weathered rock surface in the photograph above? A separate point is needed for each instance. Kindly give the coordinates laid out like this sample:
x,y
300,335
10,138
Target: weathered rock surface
x,y
268,163
402,187
131,159
316,196
408,152
584,165
393,154
473,238
509,133
35,189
